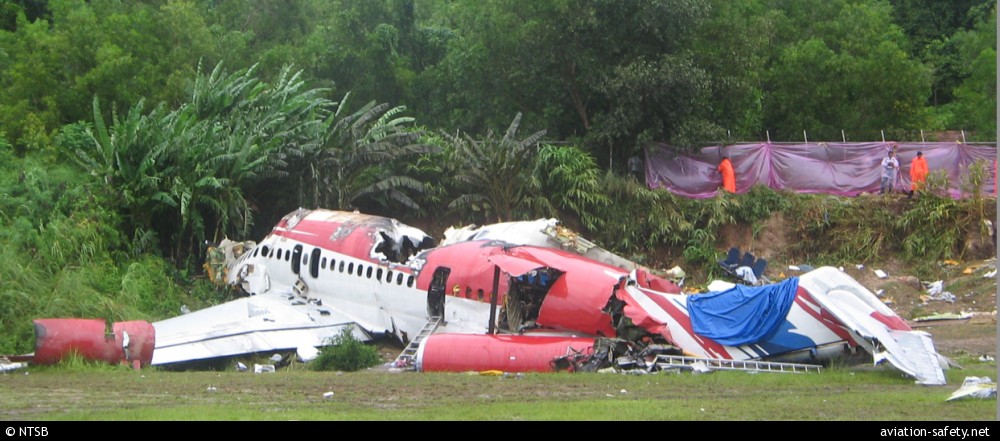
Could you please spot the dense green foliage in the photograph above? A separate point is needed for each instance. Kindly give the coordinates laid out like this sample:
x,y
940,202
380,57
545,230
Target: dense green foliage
x,y
62,255
345,353
122,154
492,174
931,228
612,75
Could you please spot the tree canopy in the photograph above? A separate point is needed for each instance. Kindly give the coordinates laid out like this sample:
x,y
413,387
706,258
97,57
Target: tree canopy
x,y
347,104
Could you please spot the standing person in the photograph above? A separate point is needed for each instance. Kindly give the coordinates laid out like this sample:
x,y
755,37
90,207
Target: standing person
x,y
635,168
728,175
918,173
890,166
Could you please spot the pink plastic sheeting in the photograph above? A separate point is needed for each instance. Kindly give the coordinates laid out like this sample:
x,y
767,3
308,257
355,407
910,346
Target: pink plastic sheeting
x,y
827,168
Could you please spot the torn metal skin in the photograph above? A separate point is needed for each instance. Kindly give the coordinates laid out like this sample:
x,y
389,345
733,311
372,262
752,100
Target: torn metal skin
x,y
130,343
321,271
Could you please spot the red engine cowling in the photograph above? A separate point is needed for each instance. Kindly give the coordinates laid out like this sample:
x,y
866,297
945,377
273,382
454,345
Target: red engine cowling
x,y
129,343
508,353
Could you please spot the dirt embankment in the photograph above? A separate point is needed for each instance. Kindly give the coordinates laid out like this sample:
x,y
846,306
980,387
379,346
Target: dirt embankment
x,y
968,289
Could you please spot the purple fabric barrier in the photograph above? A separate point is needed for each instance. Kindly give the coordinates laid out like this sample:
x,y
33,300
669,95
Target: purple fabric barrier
x,y
828,168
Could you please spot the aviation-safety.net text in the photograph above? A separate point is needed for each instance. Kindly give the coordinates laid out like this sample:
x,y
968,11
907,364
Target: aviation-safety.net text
x,y
949,431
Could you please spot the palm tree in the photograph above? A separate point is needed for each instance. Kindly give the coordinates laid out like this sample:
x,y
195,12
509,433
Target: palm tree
x,y
185,174
494,173
350,164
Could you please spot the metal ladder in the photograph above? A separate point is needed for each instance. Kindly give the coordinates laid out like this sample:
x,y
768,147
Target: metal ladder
x,y
676,361
406,358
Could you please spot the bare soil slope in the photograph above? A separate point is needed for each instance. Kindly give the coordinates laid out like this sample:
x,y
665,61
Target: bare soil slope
x,y
904,289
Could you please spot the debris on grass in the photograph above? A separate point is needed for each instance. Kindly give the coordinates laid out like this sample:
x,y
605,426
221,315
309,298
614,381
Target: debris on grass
x,y
975,387
944,316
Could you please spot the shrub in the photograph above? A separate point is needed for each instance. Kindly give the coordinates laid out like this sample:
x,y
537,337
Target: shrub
x,y
346,353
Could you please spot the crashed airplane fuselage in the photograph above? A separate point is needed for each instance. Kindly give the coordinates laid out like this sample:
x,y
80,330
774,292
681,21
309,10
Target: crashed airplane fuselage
x,y
320,271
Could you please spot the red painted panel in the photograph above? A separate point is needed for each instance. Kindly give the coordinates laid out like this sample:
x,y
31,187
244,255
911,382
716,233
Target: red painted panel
x,y
810,306
508,353
581,312
470,264
58,338
576,300
678,313
894,322
351,234
648,280
355,235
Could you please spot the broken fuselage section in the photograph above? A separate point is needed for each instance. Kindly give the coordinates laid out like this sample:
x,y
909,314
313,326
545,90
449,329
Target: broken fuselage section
x,y
320,271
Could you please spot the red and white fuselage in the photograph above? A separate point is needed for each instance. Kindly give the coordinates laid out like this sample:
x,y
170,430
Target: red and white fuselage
x,y
320,271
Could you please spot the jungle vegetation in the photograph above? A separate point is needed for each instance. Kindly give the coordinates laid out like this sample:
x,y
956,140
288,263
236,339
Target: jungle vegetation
x,y
133,133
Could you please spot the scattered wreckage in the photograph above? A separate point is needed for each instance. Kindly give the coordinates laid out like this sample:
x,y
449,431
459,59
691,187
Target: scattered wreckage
x,y
130,343
519,297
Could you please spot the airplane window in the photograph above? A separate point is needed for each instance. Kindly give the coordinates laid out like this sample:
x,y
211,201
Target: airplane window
x,y
468,292
255,252
350,268
399,278
305,259
388,276
378,274
368,273
265,250
341,266
409,281
333,263
288,256
360,270
279,253
322,263
479,292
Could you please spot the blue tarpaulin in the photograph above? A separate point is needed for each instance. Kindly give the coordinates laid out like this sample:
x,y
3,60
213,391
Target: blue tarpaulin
x,y
742,314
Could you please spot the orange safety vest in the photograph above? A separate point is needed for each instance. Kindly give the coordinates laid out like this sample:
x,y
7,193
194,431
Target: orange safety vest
x,y
918,172
728,176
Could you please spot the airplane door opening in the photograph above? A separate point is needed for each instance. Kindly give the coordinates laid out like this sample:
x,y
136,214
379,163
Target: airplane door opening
x,y
435,294
296,259
314,262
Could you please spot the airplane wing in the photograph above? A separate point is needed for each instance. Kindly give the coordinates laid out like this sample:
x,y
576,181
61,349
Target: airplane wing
x,y
267,322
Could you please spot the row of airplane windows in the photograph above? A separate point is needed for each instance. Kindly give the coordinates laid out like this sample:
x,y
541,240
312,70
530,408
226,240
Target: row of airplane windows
x,y
361,270
280,254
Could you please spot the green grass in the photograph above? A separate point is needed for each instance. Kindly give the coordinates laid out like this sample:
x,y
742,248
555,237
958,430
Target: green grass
x,y
840,394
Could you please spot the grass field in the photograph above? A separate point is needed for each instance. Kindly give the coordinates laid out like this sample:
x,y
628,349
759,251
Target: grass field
x,y
837,394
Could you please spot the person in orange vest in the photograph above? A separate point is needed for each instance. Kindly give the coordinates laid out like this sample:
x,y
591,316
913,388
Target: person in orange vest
x,y
728,175
918,173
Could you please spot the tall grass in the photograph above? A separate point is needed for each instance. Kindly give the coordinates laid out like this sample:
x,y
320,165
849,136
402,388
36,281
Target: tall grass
x,y
931,226
61,255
